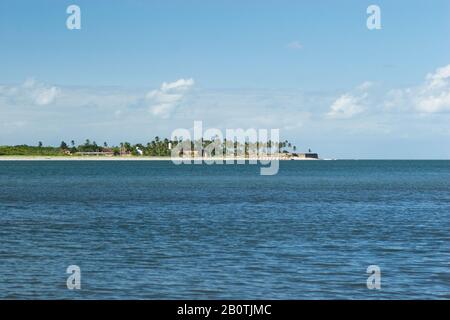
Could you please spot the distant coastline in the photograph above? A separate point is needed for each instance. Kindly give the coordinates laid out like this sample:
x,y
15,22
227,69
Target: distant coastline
x,y
139,158
160,150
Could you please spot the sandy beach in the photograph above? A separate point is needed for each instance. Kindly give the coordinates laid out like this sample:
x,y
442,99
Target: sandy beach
x,y
132,158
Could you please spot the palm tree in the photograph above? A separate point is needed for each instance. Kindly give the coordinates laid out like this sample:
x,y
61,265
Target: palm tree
x,y
121,148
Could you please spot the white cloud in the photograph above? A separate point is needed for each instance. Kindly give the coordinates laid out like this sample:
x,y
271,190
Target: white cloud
x,y
349,105
438,79
365,85
296,45
180,84
30,92
40,93
44,96
434,103
345,107
164,100
395,98
432,96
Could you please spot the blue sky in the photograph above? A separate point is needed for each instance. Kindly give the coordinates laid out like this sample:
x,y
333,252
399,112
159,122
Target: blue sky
x,y
311,68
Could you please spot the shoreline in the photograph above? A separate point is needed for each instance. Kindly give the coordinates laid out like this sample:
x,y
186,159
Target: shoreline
x,y
137,158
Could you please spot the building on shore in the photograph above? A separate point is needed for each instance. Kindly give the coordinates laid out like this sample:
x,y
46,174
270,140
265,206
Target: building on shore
x,y
306,155
92,153
109,152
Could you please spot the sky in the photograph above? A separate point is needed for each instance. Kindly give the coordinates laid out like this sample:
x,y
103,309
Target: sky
x,y
139,69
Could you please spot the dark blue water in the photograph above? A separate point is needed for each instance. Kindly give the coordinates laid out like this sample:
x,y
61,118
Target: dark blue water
x,y
154,230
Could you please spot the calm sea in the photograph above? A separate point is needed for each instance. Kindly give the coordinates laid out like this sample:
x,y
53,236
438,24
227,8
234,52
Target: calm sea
x,y
153,230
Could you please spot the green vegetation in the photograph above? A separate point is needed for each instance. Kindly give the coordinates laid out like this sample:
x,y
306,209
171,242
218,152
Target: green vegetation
x,y
25,150
156,147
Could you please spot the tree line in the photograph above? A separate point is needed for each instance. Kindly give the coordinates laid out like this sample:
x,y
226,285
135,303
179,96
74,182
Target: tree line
x,y
155,147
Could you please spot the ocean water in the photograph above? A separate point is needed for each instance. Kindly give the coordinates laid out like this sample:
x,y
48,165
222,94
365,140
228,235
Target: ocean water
x,y
154,230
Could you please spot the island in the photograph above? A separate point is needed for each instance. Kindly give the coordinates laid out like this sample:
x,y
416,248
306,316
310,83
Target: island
x,y
157,149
